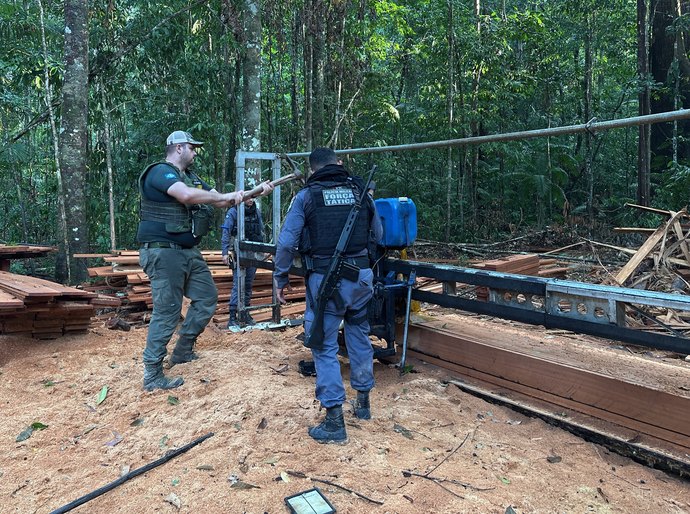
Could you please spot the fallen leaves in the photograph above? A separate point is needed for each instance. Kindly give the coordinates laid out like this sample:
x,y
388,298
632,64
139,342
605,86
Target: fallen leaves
x,y
26,433
102,395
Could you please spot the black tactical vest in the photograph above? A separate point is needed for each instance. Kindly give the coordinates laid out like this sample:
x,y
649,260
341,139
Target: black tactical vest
x,y
253,231
331,203
176,216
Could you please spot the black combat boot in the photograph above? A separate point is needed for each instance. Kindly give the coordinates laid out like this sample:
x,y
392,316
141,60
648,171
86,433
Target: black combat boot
x,y
155,379
332,428
246,318
183,352
361,405
233,322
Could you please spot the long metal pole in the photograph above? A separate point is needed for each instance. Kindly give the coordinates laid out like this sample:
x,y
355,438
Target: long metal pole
x,y
591,126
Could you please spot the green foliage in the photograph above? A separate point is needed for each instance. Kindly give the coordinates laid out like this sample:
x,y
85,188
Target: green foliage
x,y
157,67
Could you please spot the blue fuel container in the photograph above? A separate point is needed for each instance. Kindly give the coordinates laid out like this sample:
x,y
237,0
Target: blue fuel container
x,y
399,219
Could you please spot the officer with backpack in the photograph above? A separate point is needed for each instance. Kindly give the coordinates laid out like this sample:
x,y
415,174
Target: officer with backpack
x,y
313,226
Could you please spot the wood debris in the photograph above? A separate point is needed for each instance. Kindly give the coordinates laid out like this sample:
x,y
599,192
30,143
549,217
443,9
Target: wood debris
x,y
664,252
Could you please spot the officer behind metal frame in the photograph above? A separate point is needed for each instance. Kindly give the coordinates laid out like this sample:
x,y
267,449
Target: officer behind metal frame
x,y
253,231
313,226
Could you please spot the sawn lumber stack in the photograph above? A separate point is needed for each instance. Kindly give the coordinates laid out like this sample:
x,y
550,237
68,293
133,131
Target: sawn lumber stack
x,y
127,280
45,310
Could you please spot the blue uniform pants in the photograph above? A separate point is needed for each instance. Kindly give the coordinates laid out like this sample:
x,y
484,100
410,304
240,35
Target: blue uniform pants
x,y
174,274
356,295
249,274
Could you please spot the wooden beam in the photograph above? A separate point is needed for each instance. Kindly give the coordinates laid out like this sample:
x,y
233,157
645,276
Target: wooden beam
x,y
471,351
645,249
649,209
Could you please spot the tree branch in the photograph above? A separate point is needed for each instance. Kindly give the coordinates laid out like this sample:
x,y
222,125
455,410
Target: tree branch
x,y
299,474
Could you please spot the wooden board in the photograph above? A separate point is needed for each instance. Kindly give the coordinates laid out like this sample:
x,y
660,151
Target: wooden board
x,y
627,404
10,302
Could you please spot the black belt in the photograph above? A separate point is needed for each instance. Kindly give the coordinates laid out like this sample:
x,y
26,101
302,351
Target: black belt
x,y
161,244
322,264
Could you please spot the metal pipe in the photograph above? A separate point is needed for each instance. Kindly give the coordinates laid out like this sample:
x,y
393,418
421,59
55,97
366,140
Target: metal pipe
x,y
410,283
591,126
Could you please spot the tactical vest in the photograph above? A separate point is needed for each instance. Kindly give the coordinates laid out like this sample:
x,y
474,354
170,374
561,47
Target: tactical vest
x,y
253,231
177,217
331,203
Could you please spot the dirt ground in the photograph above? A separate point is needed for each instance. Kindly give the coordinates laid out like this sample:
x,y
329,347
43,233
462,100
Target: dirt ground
x,y
430,448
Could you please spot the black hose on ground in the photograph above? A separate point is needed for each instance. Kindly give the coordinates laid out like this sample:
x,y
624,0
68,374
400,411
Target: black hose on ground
x,y
136,472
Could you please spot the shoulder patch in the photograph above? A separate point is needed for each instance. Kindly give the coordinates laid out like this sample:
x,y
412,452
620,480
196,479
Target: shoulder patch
x,y
170,175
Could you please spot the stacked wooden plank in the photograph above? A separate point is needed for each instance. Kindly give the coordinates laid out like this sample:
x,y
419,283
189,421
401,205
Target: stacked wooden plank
x,y
128,281
516,264
42,309
24,251
551,268
9,252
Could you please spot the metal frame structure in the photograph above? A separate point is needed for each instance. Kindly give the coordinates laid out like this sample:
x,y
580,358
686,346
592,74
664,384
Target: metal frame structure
x,y
241,247
584,308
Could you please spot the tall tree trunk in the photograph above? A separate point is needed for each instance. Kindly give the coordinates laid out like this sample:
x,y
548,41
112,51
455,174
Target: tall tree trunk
x,y
450,101
664,64
62,263
107,142
318,67
339,75
75,112
294,141
308,72
473,165
643,152
587,111
251,93
251,72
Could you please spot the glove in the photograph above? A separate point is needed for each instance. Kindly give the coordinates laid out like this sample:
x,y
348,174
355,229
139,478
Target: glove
x,y
229,260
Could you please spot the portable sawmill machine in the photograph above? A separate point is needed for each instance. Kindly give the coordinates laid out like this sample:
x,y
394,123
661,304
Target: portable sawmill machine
x,y
591,309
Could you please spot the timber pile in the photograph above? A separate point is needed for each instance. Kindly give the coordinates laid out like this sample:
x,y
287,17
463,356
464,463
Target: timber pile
x,y
24,251
516,264
529,264
125,279
9,252
42,309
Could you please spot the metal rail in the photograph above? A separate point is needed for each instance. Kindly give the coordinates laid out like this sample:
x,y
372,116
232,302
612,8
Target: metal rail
x,y
590,126
583,308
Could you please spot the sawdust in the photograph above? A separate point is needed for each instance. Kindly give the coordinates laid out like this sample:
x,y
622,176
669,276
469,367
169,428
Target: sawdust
x,y
430,448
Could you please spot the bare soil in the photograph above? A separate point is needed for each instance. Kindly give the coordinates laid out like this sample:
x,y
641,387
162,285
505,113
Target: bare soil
x,y
430,448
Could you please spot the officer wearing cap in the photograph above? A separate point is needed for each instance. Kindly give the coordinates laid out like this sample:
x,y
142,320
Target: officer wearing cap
x,y
313,225
174,214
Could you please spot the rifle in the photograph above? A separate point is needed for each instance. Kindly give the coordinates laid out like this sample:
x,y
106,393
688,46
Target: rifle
x,y
337,269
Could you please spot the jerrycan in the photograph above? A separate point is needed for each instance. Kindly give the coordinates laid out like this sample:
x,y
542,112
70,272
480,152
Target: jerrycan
x,y
399,220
